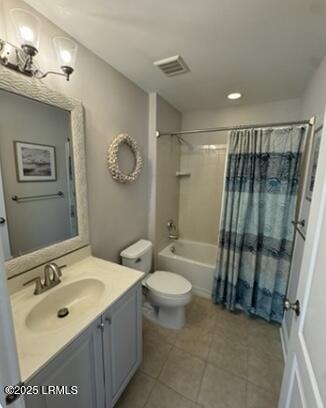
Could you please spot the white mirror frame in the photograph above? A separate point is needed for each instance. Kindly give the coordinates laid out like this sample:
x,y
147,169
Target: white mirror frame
x,y
34,89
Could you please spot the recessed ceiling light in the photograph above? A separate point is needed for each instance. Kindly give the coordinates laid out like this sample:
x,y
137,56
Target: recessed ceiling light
x,y
234,95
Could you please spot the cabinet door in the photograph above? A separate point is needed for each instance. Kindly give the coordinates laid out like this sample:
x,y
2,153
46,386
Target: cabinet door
x,y
122,343
81,364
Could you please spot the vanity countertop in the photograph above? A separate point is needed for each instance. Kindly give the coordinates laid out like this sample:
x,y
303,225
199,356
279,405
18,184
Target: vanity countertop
x,y
38,343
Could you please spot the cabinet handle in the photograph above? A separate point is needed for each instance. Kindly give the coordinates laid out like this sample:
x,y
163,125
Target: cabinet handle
x,y
101,326
108,319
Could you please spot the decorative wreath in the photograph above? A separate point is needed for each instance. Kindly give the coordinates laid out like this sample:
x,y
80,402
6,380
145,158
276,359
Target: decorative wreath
x,y
113,161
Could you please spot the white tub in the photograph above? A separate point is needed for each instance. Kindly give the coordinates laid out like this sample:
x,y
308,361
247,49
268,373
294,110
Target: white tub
x,y
196,261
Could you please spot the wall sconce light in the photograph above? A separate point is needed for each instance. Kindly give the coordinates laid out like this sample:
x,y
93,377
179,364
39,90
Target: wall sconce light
x,y
21,58
66,51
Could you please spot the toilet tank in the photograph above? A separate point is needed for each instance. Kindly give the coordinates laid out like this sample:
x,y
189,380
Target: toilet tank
x,y
138,256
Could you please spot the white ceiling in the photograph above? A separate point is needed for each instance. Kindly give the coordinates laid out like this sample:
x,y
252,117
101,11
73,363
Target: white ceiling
x,y
267,49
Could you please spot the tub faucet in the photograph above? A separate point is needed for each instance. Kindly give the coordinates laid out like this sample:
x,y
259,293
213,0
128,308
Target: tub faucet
x,y
173,231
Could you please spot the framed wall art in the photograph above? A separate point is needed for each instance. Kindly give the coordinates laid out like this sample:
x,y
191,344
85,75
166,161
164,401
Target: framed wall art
x,y
35,162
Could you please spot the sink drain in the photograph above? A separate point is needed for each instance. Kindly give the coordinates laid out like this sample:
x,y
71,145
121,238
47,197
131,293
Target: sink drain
x,y
63,312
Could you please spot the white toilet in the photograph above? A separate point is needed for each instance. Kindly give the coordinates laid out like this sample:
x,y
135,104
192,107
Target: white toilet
x,y
169,293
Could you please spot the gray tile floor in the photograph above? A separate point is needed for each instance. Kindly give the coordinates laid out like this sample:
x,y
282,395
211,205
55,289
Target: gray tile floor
x,y
219,360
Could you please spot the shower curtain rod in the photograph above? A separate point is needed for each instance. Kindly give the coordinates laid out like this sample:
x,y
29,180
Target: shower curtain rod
x,y
309,122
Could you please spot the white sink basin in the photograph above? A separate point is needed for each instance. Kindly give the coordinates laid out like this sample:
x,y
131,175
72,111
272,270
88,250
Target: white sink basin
x,y
79,297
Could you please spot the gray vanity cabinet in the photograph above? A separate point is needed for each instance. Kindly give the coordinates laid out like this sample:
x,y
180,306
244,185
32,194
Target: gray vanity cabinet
x,y
122,345
81,364
100,361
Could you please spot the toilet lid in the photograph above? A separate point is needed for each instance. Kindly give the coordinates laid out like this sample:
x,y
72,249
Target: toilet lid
x,y
168,283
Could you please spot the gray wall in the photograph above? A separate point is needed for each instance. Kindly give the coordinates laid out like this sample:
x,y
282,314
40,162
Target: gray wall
x,y
313,104
168,162
38,223
314,98
113,104
278,111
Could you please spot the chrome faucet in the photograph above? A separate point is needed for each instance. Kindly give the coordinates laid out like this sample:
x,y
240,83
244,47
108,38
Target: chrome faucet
x,y
49,281
173,231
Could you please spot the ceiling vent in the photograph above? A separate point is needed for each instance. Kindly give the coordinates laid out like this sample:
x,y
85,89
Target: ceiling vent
x,y
172,66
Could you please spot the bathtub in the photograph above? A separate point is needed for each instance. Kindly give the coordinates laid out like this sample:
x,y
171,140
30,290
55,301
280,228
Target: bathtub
x,y
196,261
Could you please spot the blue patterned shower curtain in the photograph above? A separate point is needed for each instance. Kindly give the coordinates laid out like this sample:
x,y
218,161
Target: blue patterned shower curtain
x,y
256,236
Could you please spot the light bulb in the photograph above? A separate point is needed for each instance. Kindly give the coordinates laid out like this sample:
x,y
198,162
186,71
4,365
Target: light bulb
x,y
66,50
27,27
26,34
65,57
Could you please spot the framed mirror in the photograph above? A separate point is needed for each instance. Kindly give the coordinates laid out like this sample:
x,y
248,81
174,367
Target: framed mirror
x,y
43,197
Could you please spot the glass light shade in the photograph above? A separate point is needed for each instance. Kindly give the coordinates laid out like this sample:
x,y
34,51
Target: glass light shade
x,y
27,27
66,50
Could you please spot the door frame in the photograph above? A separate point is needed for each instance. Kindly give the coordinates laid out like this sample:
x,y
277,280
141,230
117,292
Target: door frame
x,y
9,365
4,233
297,345
300,234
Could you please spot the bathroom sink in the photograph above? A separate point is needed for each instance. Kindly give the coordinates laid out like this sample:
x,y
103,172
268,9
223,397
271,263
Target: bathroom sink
x,y
71,302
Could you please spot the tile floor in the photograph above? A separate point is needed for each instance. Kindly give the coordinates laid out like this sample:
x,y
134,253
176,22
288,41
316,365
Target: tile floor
x,y
219,360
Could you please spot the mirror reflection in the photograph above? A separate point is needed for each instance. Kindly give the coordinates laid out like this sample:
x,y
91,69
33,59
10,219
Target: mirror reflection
x,y
37,189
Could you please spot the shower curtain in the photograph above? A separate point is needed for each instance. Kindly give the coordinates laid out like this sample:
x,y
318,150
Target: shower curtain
x,y
256,236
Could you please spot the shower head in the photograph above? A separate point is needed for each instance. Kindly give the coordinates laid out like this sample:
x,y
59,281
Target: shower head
x,y
180,140
183,142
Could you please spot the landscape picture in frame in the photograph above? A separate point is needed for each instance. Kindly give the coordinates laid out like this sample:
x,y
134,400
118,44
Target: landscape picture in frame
x,y
313,163
35,162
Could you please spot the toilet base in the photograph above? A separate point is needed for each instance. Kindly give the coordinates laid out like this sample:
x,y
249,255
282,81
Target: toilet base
x,y
171,318
164,311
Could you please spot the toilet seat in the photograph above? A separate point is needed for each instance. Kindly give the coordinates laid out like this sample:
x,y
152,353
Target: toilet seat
x,y
168,284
